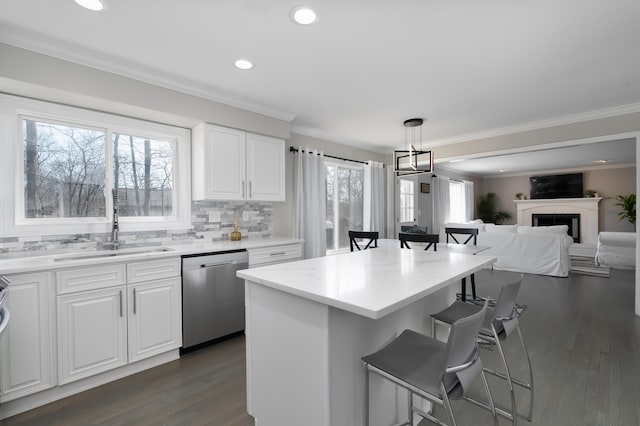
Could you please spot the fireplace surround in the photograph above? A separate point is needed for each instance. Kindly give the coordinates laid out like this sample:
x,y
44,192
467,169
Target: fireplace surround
x,y
586,208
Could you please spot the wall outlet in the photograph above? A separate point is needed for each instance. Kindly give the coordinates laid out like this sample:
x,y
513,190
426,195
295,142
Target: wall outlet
x,y
245,216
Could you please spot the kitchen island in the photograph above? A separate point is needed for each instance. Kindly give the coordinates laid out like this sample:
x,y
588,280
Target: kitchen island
x,y
308,323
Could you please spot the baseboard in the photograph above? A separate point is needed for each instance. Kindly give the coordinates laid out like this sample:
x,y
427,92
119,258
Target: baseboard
x,y
35,400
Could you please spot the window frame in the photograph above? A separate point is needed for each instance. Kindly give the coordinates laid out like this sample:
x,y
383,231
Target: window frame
x,y
13,222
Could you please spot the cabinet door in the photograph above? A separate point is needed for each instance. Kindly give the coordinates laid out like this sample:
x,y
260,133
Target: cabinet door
x,y
26,348
155,318
265,168
219,164
92,333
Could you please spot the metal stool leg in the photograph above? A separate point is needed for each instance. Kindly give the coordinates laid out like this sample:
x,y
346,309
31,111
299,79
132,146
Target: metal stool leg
x,y
530,384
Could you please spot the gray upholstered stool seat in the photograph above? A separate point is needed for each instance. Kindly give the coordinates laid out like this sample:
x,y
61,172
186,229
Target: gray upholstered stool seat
x,y
417,359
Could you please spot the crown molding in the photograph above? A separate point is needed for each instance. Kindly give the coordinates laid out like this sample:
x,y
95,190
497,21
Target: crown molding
x,y
538,125
38,43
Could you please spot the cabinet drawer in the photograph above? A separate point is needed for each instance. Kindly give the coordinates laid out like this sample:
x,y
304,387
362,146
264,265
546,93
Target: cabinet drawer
x,y
152,270
90,278
275,254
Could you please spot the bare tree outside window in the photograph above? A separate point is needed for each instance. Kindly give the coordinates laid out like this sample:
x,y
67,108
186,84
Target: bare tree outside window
x,y
64,170
345,194
143,171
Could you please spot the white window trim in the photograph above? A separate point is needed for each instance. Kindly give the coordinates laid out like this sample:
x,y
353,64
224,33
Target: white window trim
x,y
12,222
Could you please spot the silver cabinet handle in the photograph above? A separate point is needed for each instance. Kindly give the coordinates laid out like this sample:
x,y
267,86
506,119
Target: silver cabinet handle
x,y
134,300
242,189
279,253
250,189
121,303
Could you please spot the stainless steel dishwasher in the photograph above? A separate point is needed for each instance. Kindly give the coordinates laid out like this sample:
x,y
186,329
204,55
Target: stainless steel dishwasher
x,y
212,296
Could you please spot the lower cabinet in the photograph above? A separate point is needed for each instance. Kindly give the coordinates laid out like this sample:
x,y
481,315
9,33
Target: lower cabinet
x,y
92,333
154,317
99,330
27,352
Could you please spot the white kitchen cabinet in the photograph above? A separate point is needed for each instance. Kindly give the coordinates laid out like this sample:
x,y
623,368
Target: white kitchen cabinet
x,y
99,330
275,254
92,332
154,317
27,347
265,168
231,164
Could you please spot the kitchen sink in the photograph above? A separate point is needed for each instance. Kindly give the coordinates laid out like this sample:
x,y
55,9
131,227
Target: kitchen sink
x,y
110,253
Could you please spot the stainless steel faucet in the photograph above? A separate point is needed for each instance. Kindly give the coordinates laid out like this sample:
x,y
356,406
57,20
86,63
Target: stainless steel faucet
x,y
114,223
115,226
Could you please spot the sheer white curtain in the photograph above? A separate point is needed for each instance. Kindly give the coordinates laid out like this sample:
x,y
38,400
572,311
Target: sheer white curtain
x,y
309,213
373,201
468,200
440,187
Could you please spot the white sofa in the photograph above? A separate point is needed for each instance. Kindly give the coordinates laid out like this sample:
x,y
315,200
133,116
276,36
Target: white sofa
x,y
616,250
540,250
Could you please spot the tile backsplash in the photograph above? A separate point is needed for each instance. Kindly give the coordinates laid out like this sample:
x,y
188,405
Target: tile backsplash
x,y
210,220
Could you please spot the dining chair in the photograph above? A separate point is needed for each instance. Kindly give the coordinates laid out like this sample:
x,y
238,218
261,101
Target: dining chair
x,y
414,229
363,235
471,233
501,320
430,369
429,239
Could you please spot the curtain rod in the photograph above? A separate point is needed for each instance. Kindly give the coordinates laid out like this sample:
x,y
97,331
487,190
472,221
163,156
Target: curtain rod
x,y
292,149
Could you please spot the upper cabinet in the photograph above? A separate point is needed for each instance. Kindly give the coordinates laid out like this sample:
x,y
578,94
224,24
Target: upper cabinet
x,y
230,164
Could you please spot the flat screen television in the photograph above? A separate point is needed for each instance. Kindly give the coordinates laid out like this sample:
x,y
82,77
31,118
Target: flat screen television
x,y
556,186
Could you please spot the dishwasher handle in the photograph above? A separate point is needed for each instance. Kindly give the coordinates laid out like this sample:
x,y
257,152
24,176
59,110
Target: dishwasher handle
x,y
216,265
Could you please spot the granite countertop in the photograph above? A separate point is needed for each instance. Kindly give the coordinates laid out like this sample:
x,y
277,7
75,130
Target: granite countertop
x,y
16,265
371,283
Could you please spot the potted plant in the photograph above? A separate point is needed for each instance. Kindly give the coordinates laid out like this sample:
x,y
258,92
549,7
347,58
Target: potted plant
x,y
627,204
590,193
519,196
488,208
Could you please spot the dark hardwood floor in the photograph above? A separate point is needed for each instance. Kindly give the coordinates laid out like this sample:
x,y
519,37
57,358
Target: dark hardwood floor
x,y
582,334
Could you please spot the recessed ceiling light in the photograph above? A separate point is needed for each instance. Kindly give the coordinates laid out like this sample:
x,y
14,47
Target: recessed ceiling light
x,y
502,170
95,5
303,15
243,64
601,161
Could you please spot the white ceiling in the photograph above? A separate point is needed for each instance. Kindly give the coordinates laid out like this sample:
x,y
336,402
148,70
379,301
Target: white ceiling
x,y
466,66
618,153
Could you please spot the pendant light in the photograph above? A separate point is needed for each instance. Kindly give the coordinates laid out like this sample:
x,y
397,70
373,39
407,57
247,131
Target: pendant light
x,y
412,160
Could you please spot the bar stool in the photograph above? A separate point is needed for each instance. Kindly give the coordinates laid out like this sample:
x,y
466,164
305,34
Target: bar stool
x,y
472,233
429,239
431,369
363,235
498,324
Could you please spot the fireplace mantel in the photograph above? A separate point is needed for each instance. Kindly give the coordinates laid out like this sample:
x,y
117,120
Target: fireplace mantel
x,y
586,207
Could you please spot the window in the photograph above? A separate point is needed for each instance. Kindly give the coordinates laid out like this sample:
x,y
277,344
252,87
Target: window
x,y
143,175
407,200
457,202
71,161
345,193
64,170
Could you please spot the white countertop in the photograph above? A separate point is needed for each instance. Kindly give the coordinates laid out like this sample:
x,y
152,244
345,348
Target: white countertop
x,y
371,283
15,265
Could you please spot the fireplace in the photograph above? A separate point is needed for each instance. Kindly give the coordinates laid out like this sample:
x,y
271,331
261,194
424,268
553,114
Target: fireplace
x,y
587,208
550,219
